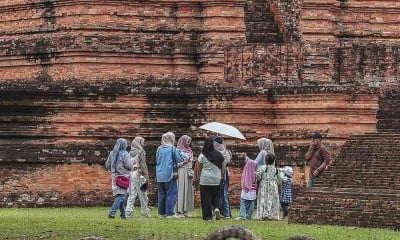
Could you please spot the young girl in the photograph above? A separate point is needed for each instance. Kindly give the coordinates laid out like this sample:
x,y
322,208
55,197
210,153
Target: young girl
x,y
268,195
248,194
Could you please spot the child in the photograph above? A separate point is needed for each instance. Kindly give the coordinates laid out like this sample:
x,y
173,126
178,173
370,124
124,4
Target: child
x,y
268,195
248,194
286,191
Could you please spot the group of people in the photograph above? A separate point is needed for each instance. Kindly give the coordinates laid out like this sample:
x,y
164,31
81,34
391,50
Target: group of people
x,y
260,180
177,171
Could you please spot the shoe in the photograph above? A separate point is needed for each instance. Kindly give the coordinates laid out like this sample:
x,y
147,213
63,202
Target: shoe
x,y
129,214
172,216
227,217
111,216
217,214
123,217
162,216
145,215
187,215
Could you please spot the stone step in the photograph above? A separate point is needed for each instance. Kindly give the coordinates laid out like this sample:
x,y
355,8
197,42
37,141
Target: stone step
x,y
347,206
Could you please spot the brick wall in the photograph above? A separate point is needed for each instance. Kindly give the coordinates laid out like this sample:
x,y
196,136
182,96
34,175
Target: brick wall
x,y
362,185
76,75
361,188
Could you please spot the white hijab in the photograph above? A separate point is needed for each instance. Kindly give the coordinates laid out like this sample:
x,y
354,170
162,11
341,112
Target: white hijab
x,y
168,139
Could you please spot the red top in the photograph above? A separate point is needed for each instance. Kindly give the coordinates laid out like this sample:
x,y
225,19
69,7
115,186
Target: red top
x,y
319,159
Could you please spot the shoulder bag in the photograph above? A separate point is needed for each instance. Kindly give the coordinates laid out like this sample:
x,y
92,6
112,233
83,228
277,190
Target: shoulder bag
x,y
175,165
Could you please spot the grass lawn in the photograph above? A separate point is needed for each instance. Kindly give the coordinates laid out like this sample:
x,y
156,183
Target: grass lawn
x,y
75,223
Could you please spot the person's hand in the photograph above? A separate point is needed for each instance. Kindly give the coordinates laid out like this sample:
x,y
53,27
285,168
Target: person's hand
x,y
196,181
327,166
316,172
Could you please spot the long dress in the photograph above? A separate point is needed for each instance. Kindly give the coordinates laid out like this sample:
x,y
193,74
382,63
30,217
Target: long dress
x,y
185,200
268,195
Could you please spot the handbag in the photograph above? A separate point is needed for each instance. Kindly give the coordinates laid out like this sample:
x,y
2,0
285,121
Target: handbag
x,y
144,187
122,182
175,165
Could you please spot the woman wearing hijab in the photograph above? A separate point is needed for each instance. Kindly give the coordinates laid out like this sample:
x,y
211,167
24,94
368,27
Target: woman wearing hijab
x,y
167,153
220,146
211,169
120,164
138,176
266,146
185,201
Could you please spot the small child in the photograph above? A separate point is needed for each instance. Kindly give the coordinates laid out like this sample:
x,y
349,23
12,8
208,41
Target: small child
x,y
286,191
248,194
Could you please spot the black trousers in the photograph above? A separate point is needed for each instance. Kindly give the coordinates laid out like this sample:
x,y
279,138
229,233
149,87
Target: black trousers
x,y
210,199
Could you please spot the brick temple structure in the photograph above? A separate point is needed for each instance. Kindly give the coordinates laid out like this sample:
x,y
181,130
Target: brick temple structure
x,y
76,75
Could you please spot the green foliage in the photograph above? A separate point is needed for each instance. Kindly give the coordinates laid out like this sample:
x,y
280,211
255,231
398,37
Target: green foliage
x,y
75,223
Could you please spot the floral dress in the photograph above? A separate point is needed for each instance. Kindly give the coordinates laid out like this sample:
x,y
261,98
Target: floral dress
x,y
268,196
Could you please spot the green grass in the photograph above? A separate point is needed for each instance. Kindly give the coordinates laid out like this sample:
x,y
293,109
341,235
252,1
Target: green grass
x,y
75,223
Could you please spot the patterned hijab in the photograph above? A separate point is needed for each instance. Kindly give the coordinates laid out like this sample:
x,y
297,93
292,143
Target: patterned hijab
x,y
137,146
266,144
168,139
119,148
220,146
184,145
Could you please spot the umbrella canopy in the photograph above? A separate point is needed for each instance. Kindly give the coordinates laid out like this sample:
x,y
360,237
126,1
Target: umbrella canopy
x,y
224,129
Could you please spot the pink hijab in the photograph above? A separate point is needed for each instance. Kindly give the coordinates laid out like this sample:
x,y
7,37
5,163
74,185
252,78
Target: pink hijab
x,y
249,175
184,145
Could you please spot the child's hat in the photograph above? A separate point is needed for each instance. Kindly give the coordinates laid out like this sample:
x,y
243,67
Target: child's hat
x,y
288,171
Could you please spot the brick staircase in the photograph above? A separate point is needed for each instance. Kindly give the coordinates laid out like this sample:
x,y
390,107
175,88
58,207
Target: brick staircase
x,y
361,188
389,112
260,24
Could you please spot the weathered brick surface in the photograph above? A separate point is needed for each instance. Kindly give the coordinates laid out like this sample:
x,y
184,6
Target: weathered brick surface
x,y
76,75
361,188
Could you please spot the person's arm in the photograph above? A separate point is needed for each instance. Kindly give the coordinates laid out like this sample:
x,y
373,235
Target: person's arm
x,y
326,156
223,171
280,176
229,152
179,156
108,162
260,172
186,161
143,165
127,161
260,159
198,168
309,153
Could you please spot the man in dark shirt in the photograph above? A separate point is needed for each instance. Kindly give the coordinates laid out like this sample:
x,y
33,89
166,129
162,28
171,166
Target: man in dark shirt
x,y
318,157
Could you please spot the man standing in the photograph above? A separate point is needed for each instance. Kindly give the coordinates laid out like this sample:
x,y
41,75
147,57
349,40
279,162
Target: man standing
x,y
318,157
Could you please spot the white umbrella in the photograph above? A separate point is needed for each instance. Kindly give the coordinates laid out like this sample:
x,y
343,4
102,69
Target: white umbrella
x,y
224,129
